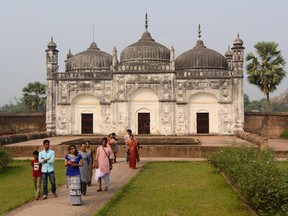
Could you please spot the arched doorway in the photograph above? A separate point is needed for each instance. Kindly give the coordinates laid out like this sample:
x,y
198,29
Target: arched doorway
x,y
143,123
144,111
85,115
87,123
202,121
203,114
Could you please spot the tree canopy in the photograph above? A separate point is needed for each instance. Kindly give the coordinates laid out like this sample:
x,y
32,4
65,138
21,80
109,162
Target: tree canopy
x,y
34,96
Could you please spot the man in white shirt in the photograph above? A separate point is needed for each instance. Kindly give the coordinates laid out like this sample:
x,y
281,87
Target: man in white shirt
x,y
46,158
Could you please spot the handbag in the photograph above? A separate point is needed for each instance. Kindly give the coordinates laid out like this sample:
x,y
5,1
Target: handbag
x,y
127,150
110,163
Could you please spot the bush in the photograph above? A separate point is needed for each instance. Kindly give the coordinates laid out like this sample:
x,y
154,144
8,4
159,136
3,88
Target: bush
x,y
5,158
256,176
284,134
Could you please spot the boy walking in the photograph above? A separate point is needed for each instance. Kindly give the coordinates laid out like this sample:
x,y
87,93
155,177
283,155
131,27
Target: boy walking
x,y
36,173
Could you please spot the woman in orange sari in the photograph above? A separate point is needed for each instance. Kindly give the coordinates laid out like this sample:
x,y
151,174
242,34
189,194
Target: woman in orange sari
x,y
133,147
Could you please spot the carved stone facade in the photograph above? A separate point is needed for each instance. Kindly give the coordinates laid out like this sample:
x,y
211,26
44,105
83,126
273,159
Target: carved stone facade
x,y
148,90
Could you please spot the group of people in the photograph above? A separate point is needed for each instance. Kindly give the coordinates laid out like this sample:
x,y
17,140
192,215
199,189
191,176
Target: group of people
x,y
80,164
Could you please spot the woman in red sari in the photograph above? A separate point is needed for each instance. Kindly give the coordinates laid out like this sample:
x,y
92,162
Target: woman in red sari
x,y
133,147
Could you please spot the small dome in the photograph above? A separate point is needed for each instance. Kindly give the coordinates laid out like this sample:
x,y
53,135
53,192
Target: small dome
x,y
200,57
91,59
238,41
52,44
69,55
145,50
229,53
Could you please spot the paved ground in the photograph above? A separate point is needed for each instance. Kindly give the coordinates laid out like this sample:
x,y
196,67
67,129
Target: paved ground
x,y
91,202
119,176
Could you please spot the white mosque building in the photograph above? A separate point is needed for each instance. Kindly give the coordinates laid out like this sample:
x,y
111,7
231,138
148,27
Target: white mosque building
x,y
146,90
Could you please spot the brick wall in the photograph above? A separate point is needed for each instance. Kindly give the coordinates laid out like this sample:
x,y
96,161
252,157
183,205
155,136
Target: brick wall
x,y
22,123
269,125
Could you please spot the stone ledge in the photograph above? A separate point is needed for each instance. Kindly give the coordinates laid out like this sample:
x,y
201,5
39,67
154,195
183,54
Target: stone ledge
x,y
168,151
261,142
15,138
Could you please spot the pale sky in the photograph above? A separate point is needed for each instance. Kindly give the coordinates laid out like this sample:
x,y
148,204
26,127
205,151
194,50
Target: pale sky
x,y
28,25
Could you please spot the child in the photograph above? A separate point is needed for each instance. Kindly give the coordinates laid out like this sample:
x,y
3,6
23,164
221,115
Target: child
x,y
36,173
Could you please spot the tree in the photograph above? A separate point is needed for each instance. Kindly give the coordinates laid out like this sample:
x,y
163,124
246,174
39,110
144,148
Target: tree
x,y
255,106
34,96
266,68
18,107
246,101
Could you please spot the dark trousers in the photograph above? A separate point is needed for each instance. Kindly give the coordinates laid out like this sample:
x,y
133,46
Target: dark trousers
x,y
45,181
83,187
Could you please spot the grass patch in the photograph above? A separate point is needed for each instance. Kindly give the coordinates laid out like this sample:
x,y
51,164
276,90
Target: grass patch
x,y
16,185
284,134
175,188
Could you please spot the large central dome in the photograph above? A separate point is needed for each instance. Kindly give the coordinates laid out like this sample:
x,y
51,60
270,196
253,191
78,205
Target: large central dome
x,y
145,50
200,57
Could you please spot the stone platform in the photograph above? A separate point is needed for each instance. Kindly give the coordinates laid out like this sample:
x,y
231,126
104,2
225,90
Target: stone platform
x,y
150,146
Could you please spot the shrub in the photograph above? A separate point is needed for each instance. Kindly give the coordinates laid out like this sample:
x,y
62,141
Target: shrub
x,y
256,176
284,134
5,158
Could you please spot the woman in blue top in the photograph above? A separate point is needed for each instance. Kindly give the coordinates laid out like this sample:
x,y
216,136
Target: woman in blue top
x,y
73,161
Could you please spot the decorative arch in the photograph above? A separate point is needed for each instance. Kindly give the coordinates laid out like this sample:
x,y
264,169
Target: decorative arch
x,y
203,113
144,94
143,111
203,98
85,114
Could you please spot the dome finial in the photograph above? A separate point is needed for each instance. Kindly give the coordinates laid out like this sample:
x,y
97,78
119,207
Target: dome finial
x,y
199,31
146,21
93,34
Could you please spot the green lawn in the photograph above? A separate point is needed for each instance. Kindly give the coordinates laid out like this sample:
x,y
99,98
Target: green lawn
x,y
16,185
164,188
176,188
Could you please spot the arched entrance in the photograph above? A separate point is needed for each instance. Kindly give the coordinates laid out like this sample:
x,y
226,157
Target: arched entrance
x,y
85,115
203,114
144,111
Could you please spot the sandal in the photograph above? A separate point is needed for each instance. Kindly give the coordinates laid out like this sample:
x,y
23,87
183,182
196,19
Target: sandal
x,y
99,190
106,189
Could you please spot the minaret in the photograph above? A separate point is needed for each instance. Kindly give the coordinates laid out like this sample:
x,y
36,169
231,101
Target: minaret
x,y
238,56
172,58
51,58
229,56
52,68
237,75
69,55
114,60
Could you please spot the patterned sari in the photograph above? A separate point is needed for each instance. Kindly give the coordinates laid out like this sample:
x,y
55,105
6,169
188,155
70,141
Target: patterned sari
x,y
73,180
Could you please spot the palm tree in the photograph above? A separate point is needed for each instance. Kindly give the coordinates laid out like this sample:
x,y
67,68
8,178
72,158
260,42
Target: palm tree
x,y
266,68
